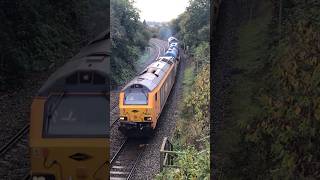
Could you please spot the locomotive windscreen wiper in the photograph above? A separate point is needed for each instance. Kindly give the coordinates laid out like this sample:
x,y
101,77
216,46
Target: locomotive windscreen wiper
x,y
55,104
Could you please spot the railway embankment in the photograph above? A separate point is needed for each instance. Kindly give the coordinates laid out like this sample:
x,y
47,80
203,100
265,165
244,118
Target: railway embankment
x,y
190,137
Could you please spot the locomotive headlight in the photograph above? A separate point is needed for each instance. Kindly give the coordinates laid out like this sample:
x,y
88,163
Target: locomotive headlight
x,y
147,118
123,118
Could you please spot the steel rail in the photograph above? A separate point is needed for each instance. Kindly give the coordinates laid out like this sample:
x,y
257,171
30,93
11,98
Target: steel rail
x,y
27,177
135,164
118,152
131,164
14,139
114,122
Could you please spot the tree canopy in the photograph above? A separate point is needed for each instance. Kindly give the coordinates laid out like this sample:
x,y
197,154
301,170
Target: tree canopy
x,y
193,26
129,38
37,36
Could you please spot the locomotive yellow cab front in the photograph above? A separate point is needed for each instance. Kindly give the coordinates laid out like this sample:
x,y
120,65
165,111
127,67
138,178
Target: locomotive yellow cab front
x,y
136,111
68,142
142,100
69,125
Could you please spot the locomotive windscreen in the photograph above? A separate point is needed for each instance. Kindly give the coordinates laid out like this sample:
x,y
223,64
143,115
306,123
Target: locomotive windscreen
x,y
137,96
77,116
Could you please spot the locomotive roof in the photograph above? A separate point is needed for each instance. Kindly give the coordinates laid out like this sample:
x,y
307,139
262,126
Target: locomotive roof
x,y
94,57
151,76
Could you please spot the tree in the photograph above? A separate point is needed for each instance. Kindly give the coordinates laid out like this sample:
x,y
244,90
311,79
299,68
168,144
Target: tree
x,y
129,37
32,40
193,25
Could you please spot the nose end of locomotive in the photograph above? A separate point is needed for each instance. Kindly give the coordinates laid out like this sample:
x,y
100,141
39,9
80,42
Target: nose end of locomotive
x,y
136,129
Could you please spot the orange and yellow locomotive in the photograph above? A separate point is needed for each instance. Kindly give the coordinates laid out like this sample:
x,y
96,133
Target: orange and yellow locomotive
x,y
142,99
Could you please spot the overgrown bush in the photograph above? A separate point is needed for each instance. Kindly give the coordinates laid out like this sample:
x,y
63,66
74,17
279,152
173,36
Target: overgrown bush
x,y
202,55
192,27
129,37
286,135
191,137
38,35
192,165
281,142
192,133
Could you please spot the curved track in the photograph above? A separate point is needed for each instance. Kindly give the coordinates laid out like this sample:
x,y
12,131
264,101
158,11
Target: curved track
x,y
123,166
160,46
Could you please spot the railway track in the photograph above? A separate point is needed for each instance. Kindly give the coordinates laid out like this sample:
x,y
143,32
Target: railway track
x,y
155,44
13,155
14,139
125,160
127,154
114,95
114,122
27,177
159,45
114,108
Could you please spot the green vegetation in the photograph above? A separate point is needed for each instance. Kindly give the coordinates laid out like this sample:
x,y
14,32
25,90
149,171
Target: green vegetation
x,y
193,124
193,27
272,131
40,36
145,56
253,42
37,36
193,165
201,55
195,112
192,132
188,79
129,39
